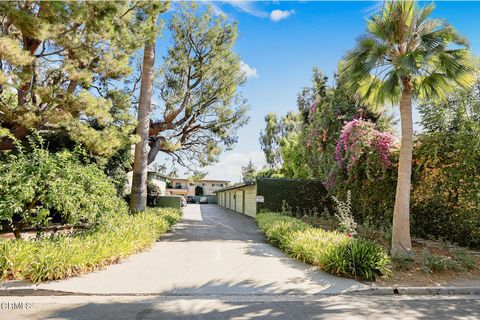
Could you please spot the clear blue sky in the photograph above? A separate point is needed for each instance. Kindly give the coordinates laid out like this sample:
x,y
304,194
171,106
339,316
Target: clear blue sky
x,y
283,53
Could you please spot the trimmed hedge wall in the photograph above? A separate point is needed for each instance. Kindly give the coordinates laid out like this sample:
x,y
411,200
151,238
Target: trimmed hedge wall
x,y
211,199
299,194
169,202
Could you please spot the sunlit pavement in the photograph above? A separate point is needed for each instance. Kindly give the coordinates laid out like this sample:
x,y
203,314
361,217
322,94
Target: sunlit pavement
x,y
215,264
211,251
241,307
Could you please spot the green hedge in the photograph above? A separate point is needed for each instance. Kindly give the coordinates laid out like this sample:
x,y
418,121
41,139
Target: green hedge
x,y
333,252
65,255
39,186
169,202
298,194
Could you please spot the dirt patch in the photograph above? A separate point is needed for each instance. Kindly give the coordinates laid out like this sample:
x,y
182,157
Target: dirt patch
x,y
419,274
436,263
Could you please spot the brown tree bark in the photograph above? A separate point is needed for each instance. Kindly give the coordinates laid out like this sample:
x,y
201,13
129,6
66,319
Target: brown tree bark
x,y
401,242
138,196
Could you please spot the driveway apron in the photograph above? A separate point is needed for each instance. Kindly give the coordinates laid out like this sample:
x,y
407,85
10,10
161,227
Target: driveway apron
x,y
212,251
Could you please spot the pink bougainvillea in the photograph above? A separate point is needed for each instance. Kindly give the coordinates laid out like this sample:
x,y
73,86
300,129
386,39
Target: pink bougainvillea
x,y
359,137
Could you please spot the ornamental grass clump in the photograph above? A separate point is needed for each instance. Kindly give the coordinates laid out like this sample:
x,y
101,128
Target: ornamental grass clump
x,y
332,251
279,229
64,255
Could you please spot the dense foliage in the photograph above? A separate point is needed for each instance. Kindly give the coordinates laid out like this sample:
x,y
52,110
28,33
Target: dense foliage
x,y
298,197
37,186
348,146
201,108
249,172
333,252
344,143
65,255
446,197
60,63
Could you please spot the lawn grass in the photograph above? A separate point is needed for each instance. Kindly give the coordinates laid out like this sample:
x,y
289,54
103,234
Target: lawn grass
x,y
65,255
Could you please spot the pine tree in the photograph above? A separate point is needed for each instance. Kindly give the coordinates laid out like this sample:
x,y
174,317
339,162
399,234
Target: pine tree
x,y
61,67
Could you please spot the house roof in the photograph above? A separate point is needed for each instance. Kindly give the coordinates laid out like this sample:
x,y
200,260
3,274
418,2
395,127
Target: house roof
x,y
160,174
203,180
236,186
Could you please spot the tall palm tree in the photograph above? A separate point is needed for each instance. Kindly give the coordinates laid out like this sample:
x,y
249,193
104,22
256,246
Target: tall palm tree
x,y
148,12
138,196
405,56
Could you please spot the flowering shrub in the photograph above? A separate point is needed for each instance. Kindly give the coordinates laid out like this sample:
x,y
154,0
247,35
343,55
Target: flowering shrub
x,y
358,139
364,156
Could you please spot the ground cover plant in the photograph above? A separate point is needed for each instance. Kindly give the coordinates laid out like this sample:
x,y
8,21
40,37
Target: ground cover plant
x,y
435,262
60,256
332,251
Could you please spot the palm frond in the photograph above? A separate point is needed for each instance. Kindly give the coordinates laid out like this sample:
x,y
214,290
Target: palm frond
x,y
424,13
402,45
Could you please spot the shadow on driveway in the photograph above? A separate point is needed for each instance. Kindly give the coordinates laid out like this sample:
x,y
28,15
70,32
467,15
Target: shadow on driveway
x,y
214,223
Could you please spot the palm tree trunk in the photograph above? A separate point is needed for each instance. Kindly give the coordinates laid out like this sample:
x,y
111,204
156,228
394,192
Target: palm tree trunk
x,y
401,242
138,196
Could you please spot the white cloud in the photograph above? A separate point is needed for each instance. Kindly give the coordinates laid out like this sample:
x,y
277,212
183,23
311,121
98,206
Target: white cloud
x,y
248,7
277,15
248,71
216,8
230,165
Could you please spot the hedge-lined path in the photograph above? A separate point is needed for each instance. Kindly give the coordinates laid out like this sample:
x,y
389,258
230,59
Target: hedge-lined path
x,y
212,251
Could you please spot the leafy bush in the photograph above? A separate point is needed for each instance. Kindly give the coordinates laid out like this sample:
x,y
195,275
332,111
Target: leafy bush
x,y
170,215
355,257
38,185
153,192
332,251
64,255
446,197
434,263
366,164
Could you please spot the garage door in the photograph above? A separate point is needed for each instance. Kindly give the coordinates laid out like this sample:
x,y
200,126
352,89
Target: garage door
x,y
239,201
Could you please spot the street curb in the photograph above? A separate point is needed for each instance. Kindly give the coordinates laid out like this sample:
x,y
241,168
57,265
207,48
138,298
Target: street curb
x,y
416,291
373,291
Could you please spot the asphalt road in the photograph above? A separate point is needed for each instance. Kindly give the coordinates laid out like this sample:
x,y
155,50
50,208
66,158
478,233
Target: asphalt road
x,y
215,264
240,307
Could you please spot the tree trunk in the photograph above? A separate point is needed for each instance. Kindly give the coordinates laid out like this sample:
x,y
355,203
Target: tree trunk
x,y
138,196
401,242
155,147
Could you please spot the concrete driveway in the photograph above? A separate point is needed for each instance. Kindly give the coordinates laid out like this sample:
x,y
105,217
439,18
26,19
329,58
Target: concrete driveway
x,y
212,251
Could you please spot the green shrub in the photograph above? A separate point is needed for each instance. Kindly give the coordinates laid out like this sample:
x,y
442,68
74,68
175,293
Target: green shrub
x,y
153,192
170,215
38,185
356,257
435,263
446,180
65,255
332,251
309,245
465,260
279,228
